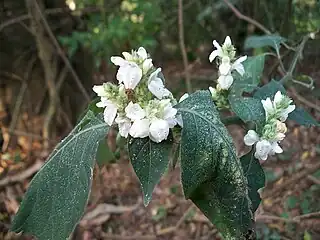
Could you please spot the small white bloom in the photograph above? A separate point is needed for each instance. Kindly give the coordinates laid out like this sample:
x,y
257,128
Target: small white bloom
x,y
159,130
237,65
268,106
156,86
119,61
99,90
275,148
225,81
179,120
134,111
142,53
219,51
285,113
263,148
213,91
183,97
140,128
130,75
147,65
251,138
110,110
225,66
124,125
127,56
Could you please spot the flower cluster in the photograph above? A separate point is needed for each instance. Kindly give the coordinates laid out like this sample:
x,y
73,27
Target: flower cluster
x,y
226,59
274,130
140,104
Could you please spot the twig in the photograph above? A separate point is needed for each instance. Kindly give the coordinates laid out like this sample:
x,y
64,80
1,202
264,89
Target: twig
x,y
266,218
23,175
296,178
182,46
246,18
304,100
307,216
313,179
62,54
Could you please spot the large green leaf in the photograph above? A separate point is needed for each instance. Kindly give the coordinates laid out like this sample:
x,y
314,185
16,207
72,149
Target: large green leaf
x,y
273,41
269,90
302,117
149,160
255,176
58,194
248,109
212,176
251,78
104,154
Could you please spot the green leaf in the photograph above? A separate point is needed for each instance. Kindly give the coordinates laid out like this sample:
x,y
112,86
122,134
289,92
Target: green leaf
x,y
273,41
149,160
248,109
104,154
255,176
58,194
212,176
302,117
269,90
251,78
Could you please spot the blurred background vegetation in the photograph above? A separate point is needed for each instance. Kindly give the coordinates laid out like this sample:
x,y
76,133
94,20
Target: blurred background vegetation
x,y
53,51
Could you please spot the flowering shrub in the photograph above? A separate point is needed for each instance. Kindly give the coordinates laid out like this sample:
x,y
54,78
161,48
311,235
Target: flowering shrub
x,y
161,129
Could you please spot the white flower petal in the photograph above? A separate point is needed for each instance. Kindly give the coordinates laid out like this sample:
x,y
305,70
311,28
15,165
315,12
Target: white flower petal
x,y
124,125
127,56
134,111
227,41
156,86
251,138
110,113
179,120
267,105
225,66
225,81
159,130
183,97
103,102
142,53
277,98
118,61
169,112
218,47
275,148
213,55
263,149
130,75
213,92
99,90
239,68
240,60
147,65
140,128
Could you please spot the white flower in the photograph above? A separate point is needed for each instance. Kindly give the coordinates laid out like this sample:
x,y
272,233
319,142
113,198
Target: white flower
x,y
159,130
251,138
124,125
134,111
275,148
285,113
99,90
237,65
156,86
183,97
219,51
268,107
140,128
263,148
147,65
213,91
110,110
130,75
225,81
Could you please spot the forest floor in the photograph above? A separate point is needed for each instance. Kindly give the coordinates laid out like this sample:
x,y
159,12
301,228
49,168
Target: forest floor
x,y
115,209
